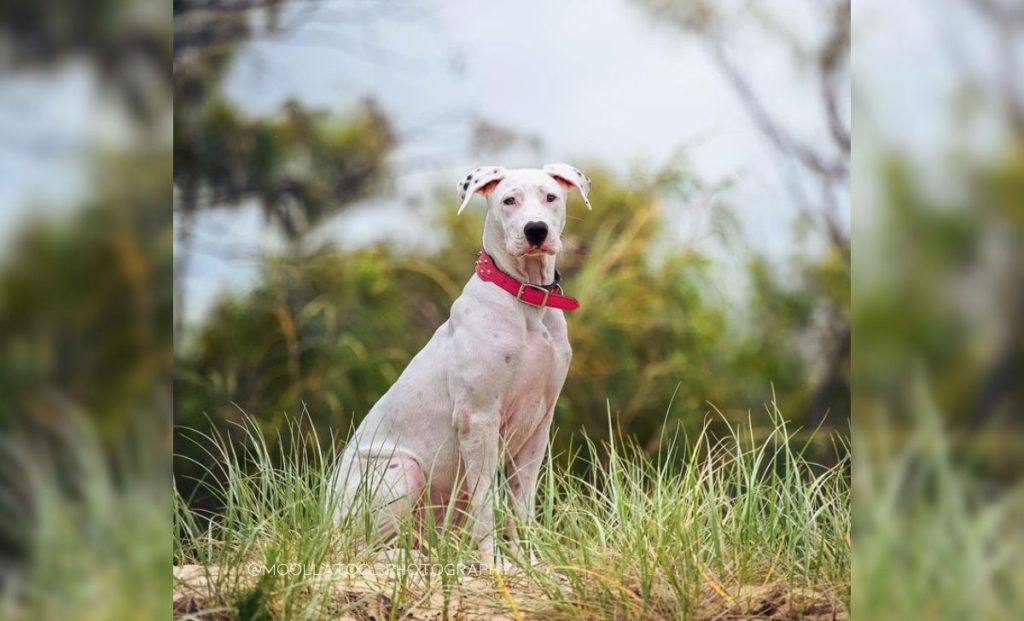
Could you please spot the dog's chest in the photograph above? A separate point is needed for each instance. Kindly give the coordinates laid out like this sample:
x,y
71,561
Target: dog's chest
x,y
540,368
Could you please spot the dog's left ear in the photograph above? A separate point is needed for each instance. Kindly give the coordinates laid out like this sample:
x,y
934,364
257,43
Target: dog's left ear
x,y
482,180
571,177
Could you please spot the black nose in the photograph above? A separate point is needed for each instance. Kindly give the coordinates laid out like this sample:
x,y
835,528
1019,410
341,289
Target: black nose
x,y
536,232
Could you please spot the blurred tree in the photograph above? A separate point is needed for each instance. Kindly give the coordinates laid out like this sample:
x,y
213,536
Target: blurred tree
x,y
328,329
82,292
85,310
85,305
331,331
126,41
300,166
818,180
939,267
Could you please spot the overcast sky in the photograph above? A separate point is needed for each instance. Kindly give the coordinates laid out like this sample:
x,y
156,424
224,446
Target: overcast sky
x,y
595,81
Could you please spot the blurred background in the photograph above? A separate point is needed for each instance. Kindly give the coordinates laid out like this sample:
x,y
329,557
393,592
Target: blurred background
x,y
316,147
938,291
86,305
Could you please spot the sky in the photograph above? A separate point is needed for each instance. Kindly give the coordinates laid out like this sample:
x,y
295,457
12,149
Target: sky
x,y
597,81
44,128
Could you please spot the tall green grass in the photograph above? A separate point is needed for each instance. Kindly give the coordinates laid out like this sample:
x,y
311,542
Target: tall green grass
x,y
702,525
90,522
934,540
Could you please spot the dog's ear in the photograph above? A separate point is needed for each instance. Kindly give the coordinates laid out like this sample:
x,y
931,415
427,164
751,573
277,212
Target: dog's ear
x,y
482,180
571,177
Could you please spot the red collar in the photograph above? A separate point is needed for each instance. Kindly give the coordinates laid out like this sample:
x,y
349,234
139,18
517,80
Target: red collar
x,y
534,295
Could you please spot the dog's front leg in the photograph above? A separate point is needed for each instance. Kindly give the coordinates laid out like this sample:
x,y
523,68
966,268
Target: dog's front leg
x,y
523,471
478,448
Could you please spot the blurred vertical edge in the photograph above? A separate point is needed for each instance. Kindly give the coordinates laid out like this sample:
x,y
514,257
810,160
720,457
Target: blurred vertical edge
x,y
85,308
938,301
86,316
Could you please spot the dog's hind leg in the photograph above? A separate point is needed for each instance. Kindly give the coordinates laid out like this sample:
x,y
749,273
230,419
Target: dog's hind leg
x,y
383,489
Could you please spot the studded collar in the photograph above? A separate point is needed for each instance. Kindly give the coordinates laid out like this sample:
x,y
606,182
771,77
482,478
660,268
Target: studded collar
x,y
534,295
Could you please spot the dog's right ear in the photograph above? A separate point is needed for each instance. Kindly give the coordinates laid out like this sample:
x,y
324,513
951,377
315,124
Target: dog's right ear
x,y
481,181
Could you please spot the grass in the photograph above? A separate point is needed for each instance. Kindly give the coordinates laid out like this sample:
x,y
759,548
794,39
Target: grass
x,y
934,539
709,526
685,536
90,523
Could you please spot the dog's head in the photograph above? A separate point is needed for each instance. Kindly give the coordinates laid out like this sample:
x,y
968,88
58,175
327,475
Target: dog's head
x,y
526,206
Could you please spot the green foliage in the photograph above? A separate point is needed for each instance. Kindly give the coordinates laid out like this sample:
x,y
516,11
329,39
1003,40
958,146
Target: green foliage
x,y
301,166
85,306
937,288
330,331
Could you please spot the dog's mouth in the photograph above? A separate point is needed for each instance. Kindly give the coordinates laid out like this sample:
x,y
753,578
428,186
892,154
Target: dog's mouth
x,y
548,246
523,248
537,251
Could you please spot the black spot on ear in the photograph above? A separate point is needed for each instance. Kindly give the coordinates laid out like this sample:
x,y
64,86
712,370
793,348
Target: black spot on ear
x,y
465,186
508,359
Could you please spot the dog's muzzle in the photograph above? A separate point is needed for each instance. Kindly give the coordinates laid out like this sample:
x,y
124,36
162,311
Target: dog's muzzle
x,y
536,233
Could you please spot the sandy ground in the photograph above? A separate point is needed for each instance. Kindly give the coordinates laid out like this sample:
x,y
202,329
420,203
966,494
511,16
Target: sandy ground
x,y
362,594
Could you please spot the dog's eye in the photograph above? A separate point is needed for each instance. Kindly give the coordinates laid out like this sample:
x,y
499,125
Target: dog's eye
x,y
551,198
511,200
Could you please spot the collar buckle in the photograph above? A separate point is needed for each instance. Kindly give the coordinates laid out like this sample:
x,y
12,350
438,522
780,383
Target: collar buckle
x,y
522,289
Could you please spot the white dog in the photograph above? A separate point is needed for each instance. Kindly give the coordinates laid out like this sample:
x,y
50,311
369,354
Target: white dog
x,y
480,395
